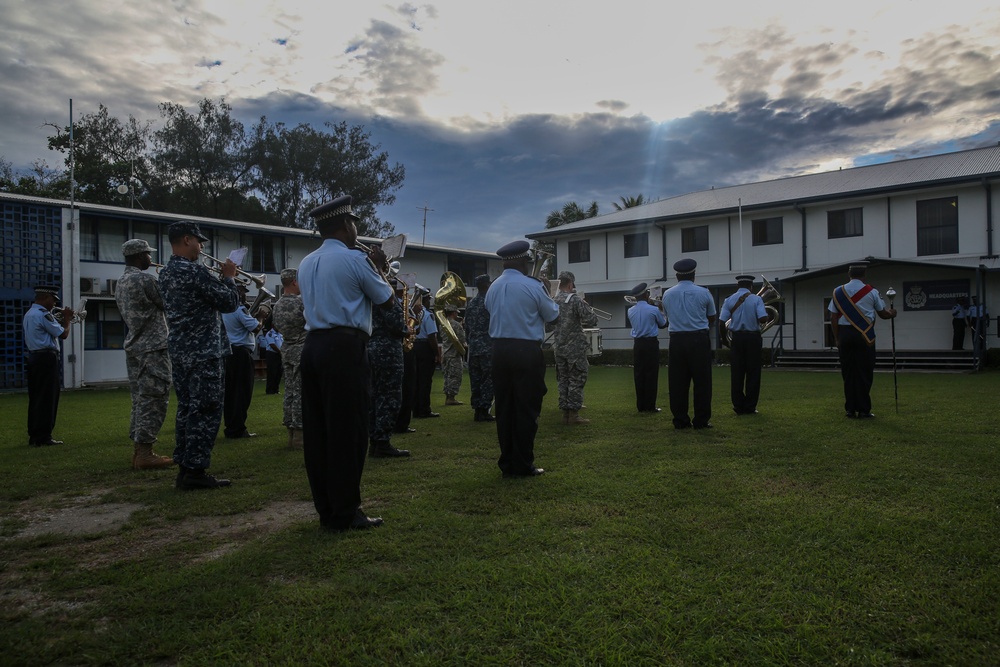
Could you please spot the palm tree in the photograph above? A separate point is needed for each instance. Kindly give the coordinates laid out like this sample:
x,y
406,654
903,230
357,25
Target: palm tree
x,y
571,212
629,202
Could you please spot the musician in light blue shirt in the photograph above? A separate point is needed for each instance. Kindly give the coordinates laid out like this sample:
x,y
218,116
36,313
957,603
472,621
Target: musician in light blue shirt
x,y
742,315
41,336
647,320
519,307
241,329
339,285
690,311
426,356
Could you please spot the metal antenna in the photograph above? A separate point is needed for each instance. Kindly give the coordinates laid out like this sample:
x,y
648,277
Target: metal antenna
x,y
424,209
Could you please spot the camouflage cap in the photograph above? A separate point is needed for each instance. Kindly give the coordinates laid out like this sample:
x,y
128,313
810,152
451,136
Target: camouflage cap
x,y
135,247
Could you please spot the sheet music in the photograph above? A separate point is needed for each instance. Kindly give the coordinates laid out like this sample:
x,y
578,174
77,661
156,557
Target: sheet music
x,y
238,256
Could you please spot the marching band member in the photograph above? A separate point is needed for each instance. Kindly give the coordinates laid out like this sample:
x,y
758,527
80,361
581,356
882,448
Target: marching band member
x,y
519,307
193,300
571,346
451,359
138,298
41,336
272,343
690,311
427,354
385,351
477,331
647,320
746,310
339,287
241,328
852,322
290,321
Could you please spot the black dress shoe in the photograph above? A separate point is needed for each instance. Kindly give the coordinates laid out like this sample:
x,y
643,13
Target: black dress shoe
x,y
698,428
851,415
45,443
244,434
534,472
427,415
386,451
405,430
866,415
199,479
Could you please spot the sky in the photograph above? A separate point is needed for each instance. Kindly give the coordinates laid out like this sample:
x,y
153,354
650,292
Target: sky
x,y
503,112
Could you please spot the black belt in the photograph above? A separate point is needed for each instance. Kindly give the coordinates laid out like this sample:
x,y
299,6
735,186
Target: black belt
x,y
425,341
47,350
646,337
343,331
745,331
699,332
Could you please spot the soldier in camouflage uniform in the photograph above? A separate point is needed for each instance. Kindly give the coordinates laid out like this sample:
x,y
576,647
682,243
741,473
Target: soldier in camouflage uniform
x,y
385,354
571,346
290,321
138,299
193,299
451,357
477,329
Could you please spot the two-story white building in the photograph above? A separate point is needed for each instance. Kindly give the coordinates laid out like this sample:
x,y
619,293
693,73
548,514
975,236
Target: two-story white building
x,y
926,225
79,247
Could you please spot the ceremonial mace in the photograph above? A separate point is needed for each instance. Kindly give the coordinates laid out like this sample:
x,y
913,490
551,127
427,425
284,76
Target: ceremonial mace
x,y
891,293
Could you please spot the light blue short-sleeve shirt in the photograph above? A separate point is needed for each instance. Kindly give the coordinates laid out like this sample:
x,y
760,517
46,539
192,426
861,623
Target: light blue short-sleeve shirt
x,y
519,307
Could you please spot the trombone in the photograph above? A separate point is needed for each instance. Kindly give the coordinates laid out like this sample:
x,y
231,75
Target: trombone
x,y
602,314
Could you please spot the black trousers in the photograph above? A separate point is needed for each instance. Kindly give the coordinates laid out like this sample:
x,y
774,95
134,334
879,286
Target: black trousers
x,y
958,333
518,386
336,397
690,362
273,360
857,368
238,391
646,372
745,370
409,382
43,394
424,359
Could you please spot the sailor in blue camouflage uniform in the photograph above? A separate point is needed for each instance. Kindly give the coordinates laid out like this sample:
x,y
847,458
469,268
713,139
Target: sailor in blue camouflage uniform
x,y
290,321
570,348
385,354
340,287
138,297
477,333
193,300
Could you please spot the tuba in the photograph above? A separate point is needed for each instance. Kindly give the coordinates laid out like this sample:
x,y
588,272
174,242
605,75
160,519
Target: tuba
x,y
452,293
769,294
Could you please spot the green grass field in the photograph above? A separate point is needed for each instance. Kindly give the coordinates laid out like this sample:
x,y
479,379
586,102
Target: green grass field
x,y
796,537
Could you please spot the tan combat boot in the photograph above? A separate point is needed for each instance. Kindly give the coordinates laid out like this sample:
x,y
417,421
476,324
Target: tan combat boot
x,y
145,458
294,438
573,417
450,400
565,417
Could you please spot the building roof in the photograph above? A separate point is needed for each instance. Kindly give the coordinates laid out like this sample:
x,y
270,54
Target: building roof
x,y
950,168
252,227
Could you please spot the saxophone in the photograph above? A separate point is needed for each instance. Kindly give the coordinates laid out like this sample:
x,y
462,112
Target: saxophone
x,y
412,324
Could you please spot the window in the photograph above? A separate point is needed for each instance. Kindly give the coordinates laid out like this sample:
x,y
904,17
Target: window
x,y
104,328
694,239
844,223
467,268
579,251
937,226
150,232
637,245
101,239
767,231
264,253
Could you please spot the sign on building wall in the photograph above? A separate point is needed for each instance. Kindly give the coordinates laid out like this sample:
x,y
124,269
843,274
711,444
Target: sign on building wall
x,y
933,294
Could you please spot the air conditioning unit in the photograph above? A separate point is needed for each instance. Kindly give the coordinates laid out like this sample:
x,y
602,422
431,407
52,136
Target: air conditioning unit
x,y
90,286
112,285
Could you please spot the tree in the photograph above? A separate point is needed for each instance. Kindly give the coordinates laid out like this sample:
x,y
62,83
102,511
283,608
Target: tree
x,y
571,212
629,202
39,181
204,162
302,167
107,153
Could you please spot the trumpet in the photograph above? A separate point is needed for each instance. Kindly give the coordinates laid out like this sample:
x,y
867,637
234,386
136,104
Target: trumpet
x,y
79,314
242,277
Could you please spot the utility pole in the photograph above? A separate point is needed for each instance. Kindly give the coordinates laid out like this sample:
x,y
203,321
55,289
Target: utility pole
x,y
424,209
